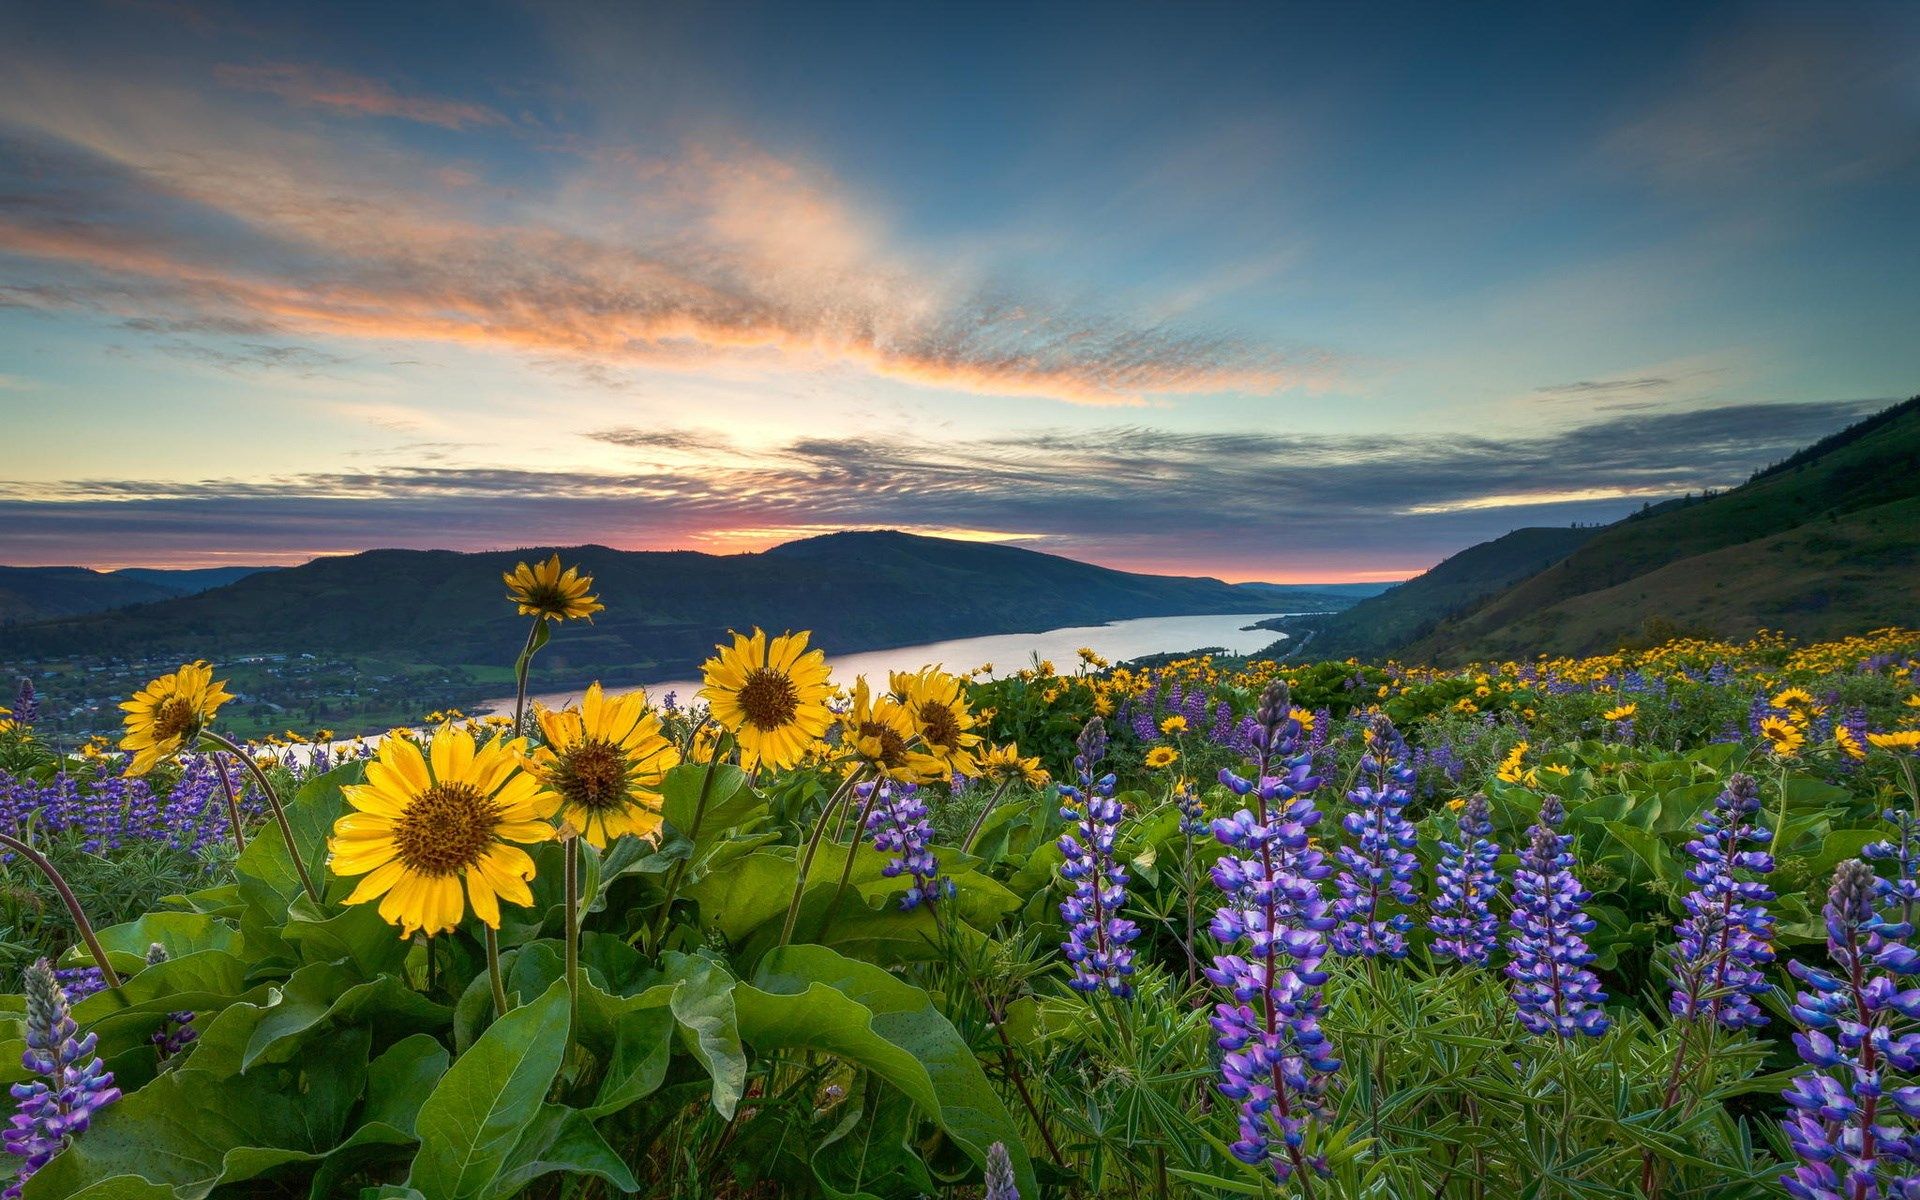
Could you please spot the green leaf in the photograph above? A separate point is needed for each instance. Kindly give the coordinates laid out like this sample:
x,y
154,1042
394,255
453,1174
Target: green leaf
x,y
809,997
866,1157
561,1139
327,995
483,1105
730,803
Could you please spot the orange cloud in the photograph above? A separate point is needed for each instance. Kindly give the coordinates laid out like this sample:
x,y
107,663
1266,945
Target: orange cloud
x,y
352,95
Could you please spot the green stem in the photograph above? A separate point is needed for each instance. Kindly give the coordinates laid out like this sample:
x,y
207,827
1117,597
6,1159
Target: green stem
x,y
573,932
67,897
520,668
813,848
966,843
233,803
493,972
273,802
846,868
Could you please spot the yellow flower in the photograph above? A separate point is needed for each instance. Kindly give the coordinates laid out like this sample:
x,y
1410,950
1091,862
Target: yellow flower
x,y
1912,701
1907,740
422,825
1162,756
168,714
772,695
606,761
1621,713
879,730
1173,724
1557,769
1305,719
1848,742
1089,657
1466,706
547,592
1794,697
1004,762
937,702
1456,804
1510,767
1784,739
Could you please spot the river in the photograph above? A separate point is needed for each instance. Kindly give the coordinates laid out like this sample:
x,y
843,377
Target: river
x,y
1115,641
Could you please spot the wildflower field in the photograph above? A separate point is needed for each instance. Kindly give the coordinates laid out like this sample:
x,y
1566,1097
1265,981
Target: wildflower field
x,y
1638,925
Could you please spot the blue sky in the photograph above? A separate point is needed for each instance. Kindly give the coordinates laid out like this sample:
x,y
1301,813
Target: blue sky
x,y
1262,291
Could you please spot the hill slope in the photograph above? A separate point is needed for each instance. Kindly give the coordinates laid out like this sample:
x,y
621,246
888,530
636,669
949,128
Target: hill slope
x,y
665,609
41,593
1376,626
1826,543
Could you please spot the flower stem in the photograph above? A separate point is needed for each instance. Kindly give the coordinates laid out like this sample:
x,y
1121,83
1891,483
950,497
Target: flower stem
x,y
233,803
493,972
273,802
966,843
520,668
846,868
67,897
813,848
573,932
679,873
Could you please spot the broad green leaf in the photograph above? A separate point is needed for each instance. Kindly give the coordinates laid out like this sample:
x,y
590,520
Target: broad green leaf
x,y
866,1157
482,1106
809,997
325,994
561,1139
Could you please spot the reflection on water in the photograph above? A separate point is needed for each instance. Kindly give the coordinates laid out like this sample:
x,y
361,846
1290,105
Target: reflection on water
x,y
1008,652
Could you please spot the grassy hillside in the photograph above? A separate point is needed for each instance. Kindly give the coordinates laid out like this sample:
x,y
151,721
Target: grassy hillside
x,y
1376,626
1823,543
854,590
42,593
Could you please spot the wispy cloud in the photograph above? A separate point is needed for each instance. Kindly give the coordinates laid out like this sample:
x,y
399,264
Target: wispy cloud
x,y
1128,495
344,93
719,257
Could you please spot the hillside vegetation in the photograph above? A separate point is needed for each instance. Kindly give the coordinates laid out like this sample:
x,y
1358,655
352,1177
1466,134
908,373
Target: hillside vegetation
x,y
41,593
1825,543
856,590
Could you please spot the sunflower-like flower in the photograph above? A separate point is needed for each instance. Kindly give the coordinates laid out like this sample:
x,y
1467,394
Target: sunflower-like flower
x,y
167,715
1848,743
938,704
1784,738
1173,725
879,732
422,825
1004,762
1162,756
605,760
1900,741
1794,697
1621,713
772,694
551,593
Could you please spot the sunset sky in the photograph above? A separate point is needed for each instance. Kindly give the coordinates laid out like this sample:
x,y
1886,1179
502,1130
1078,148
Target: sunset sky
x,y
1265,292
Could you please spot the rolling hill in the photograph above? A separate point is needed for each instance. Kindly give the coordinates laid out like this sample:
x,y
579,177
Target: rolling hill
x,y
1825,543
1380,624
41,593
855,590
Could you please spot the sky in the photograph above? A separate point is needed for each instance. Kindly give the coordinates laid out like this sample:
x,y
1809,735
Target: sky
x,y
1281,292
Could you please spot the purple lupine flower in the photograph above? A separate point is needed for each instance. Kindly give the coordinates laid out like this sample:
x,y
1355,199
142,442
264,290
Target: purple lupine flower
x,y
1193,810
1098,936
1463,924
77,983
1001,1184
73,1085
900,827
1727,937
1377,862
1277,1062
1552,986
176,1033
26,706
1902,892
1856,1055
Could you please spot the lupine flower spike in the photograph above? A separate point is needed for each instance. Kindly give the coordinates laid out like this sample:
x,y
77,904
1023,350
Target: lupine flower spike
x,y
1852,1113
1552,986
1377,860
1098,936
176,1033
1726,939
71,1085
1277,1062
1463,924
900,827
1001,1184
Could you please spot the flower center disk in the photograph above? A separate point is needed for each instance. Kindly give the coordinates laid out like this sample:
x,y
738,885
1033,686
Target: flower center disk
x,y
769,699
593,775
445,828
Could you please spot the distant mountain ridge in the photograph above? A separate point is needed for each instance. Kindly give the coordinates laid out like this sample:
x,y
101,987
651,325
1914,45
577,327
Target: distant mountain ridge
x,y
855,590
42,593
1379,625
1823,544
